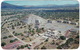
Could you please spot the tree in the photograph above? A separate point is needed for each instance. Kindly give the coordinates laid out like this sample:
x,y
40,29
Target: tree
x,y
25,31
16,34
13,27
11,41
46,39
18,23
59,47
21,27
62,37
26,45
22,35
13,32
15,39
59,31
5,37
10,36
18,47
42,29
33,32
77,36
76,41
38,30
3,44
22,46
53,42
43,47
23,38
69,40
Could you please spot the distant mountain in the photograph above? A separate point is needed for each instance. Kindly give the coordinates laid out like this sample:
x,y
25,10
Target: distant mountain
x,y
54,6
10,6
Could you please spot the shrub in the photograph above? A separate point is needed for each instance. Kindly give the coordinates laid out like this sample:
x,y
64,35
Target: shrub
x,y
22,46
11,41
22,35
69,40
77,36
3,44
23,38
16,34
62,37
26,45
59,47
5,37
18,47
47,40
15,39
10,36
43,47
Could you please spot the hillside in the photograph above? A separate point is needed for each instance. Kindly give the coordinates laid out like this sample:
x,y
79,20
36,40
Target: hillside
x,y
10,6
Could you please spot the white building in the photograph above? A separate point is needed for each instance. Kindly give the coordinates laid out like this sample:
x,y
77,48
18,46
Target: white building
x,y
77,23
52,34
69,22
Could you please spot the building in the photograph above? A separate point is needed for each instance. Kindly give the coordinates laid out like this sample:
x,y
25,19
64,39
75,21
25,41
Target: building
x,y
65,22
77,23
59,21
37,23
73,23
74,31
49,21
52,34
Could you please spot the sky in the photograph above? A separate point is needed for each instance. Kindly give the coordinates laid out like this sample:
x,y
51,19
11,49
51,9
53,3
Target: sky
x,y
36,3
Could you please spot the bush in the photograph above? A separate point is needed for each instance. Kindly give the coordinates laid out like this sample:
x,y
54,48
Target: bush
x,y
16,34
15,39
10,36
77,36
11,41
5,37
18,47
13,27
47,40
59,47
22,35
77,42
42,29
43,47
3,44
69,40
23,38
22,46
19,33
52,43
62,37
13,32
38,30
26,45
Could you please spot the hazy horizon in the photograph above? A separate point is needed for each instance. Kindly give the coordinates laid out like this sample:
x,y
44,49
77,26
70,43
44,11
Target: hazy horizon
x,y
36,3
